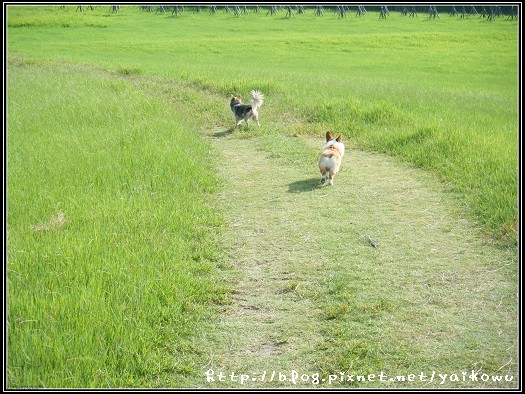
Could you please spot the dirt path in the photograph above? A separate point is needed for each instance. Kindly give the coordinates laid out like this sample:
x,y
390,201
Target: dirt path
x,y
387,231
269,327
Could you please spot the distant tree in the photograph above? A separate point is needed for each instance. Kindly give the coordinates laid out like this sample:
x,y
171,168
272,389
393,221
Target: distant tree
x,y
483,13
273,10
238,10
492,14
360,10
177,10
432,12
513,13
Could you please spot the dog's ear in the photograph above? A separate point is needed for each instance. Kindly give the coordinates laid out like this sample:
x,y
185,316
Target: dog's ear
x,y
329,136
339,138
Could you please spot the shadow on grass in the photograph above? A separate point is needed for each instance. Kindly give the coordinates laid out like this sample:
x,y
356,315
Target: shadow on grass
x,y
305,185
225,133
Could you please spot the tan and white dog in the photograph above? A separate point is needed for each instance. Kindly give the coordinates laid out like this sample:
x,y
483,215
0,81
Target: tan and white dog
x,y
330,160
245,111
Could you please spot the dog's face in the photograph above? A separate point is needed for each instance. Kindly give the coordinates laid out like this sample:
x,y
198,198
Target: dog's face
x,y
235,100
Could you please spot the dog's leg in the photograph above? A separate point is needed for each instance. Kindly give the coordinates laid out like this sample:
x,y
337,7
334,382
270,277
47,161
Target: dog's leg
x,y
323,177
331,178
255,117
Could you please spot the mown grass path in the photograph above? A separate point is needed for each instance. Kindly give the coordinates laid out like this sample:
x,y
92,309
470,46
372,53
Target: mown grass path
x,y
266,328
377,273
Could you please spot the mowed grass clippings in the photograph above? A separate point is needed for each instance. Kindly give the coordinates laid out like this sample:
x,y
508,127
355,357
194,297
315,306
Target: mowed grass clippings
x,y
111,257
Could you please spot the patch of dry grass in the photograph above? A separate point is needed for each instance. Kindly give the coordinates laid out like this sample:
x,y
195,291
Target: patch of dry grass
x,y
54,222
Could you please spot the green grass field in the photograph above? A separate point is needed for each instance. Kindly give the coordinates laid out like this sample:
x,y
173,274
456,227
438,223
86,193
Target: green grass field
x,y
442,94
110,231
113,221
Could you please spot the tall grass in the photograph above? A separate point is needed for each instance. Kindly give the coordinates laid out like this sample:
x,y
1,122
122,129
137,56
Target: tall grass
x,y
440,93
111,255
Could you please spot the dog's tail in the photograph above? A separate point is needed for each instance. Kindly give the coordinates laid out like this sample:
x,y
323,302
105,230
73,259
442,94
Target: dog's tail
x,y
257,99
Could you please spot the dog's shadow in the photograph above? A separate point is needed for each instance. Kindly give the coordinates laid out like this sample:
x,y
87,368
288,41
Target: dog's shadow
x,y
225,133
305,185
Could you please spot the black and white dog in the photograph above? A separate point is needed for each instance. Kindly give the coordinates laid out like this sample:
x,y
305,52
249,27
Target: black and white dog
x,y
245,111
